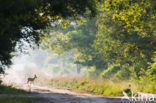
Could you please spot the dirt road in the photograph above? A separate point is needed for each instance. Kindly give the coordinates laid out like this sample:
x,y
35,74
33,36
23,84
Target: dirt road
x,y
57,95
53,95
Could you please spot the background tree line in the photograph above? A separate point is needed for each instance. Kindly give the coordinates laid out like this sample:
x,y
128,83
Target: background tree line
x,y
119,43
25,20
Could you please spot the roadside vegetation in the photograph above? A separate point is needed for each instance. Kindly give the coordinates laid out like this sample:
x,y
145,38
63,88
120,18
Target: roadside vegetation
x,y
9,94
15,100
117,46
102,87
10,90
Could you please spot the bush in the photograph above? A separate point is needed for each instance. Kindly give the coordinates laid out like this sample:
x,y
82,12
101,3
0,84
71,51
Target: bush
x,y
89,85
110,71
93,72
123,73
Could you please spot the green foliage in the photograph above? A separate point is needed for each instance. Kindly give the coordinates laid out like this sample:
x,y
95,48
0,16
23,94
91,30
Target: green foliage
x,y
60,64
104,87
77,38
90,86
25,20
117,45
110,71
149,87
123,74
93,72
150,74
138,15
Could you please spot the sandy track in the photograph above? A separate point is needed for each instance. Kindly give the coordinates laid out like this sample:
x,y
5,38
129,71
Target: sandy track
x,y
54,95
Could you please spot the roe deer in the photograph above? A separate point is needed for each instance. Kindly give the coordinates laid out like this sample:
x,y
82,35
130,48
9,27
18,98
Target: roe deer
x,y
31,80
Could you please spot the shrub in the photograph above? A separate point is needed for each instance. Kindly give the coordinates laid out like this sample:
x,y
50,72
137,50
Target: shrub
x,y
110,71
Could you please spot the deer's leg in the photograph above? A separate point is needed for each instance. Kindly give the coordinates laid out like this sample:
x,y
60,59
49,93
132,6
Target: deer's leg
x,y
27,81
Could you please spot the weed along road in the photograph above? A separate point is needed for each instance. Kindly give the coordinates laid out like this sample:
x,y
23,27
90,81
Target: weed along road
x,y
57,95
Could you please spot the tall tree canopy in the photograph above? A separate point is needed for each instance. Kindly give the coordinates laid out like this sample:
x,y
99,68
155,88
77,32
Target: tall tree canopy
x,y
25,20
127,36
78,38
120,41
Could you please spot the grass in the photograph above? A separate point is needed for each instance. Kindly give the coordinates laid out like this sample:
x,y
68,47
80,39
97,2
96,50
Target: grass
x,y
11,95
89,86
10,90
148,87
101,87
15,100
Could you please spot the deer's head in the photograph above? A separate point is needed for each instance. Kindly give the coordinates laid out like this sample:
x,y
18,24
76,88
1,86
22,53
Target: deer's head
x,y
35,76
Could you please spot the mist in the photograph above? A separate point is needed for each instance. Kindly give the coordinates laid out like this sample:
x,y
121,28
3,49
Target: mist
x,y
41,63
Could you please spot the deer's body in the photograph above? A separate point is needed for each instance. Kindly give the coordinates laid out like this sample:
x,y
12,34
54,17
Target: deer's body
x,y
31,80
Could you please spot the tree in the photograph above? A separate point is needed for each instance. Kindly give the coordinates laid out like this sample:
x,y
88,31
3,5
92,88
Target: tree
x,y
25,19
119,44
79,39
138,15
122,41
